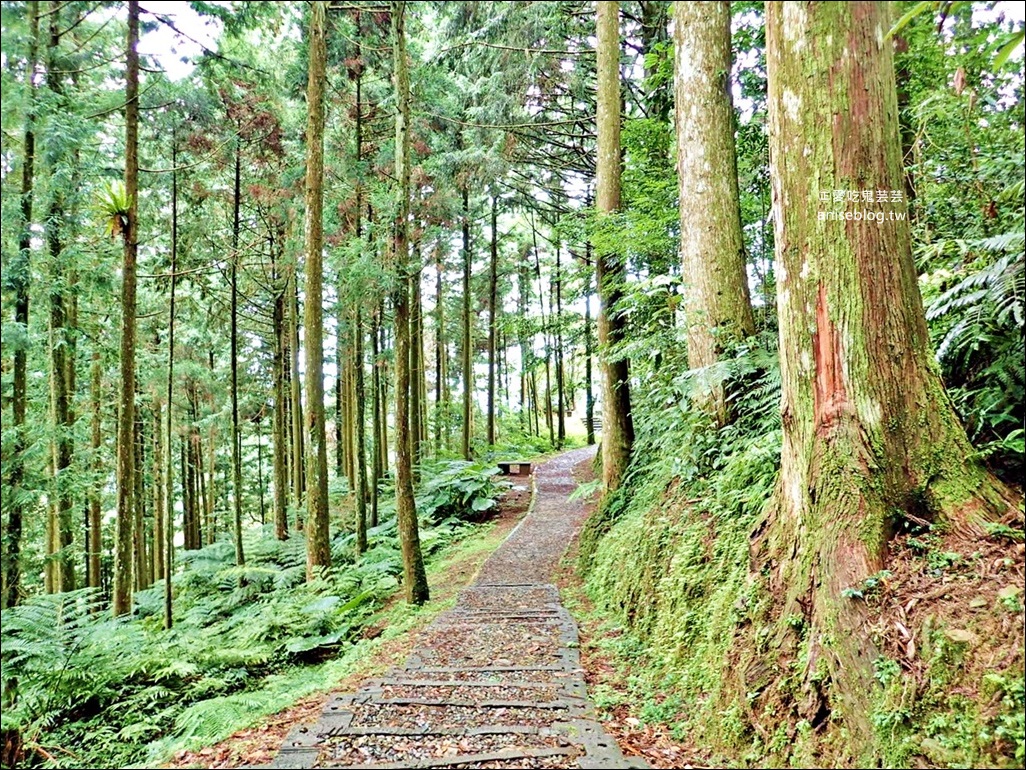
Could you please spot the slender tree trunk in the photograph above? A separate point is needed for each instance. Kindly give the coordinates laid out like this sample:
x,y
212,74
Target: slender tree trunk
x,y
60,563
870,440
122,599
240,557
360,425
589,351
340,365
377,417
95,538
260,468
617,423
719,310
441,397
493,291
416,360
169,479
19,275
159,491
139,519
383,385
414,575
281,395
296,405
318,552
557,317
358,332
188,492
523,288
468,322
545,335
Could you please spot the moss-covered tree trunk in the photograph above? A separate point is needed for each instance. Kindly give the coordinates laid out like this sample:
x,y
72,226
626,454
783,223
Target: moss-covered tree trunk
x,y
869,435
19,275
122,594
60,567
318,547
718,306
617,423
414,576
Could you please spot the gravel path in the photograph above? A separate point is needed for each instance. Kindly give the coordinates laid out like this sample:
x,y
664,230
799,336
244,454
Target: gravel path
x,y
494,682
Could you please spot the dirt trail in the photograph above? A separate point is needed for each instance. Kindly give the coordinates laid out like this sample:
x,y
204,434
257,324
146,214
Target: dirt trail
x,y
496,682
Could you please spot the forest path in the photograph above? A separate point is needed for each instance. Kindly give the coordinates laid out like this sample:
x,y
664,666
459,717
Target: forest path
x,y
496,682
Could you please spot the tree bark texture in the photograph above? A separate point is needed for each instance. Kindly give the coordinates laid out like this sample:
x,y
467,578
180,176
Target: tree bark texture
x,y
414,576
122,595
717,304
318,553
617,423
869,437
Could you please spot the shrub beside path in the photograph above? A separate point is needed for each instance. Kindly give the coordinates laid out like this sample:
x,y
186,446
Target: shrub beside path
x,y
496,682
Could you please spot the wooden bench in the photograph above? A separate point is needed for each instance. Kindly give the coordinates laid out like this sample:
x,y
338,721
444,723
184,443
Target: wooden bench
x,y
514,468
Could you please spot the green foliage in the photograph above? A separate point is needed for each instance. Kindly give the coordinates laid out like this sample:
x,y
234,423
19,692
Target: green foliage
x,y
667,556
979,323
116,692
114,206
457,489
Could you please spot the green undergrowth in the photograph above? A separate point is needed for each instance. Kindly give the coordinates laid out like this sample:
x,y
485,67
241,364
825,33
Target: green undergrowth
x,y
666,562
667,557
87,690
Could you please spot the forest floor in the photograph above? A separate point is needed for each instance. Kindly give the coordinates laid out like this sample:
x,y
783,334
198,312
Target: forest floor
x,y
496,681
260,743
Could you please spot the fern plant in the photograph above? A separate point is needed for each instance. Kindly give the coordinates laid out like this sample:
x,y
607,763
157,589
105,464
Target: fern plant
x,y
978,322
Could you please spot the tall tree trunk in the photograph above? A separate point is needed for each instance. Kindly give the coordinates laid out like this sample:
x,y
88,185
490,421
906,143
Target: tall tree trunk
x,y
870,439
589,351
545,322
360,418
441,352
281,395
160,509
557,318
523,288
383,386
139,520
296,403
617,423
62,363
340,367
122,598
468,322
360,422
719,310
318,552
188,492
377,417
416,359
493,291
19,275
414,575
240,556
169,476
94,549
